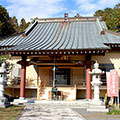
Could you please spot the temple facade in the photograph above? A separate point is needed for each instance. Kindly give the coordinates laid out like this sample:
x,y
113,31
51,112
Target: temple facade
x,y
60,52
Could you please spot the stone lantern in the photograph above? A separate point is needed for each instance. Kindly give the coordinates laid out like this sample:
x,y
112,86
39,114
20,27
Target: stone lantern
x,y
96,104
96,81
3,80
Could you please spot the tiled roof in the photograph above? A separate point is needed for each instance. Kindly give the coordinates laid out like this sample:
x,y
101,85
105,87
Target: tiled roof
x,y
69,35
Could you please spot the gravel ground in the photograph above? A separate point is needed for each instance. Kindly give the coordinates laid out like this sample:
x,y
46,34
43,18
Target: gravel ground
x,y
95,115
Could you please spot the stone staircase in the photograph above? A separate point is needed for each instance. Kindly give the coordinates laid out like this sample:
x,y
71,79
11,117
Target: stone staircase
x,y
76,104
72,104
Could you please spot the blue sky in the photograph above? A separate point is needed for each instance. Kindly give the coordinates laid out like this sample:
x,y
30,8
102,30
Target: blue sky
x,y
54,8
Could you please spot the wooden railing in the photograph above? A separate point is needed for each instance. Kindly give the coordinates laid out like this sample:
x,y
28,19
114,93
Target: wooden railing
x,y
16,82
81,84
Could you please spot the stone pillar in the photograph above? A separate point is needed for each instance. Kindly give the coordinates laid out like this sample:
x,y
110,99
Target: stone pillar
x,y
88,80
22,82
23,77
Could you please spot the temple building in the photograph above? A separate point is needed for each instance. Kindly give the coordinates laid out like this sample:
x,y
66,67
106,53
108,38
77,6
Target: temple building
x,y
60,52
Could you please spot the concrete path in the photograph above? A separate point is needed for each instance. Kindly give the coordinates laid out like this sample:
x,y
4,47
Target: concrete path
x,y
48,112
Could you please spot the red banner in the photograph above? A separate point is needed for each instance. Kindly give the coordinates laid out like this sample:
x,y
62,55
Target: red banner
x,y
112,83
108,80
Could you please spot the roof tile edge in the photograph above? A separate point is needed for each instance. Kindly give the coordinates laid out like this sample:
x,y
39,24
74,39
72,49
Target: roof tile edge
x,y
102,32
30,28
63,19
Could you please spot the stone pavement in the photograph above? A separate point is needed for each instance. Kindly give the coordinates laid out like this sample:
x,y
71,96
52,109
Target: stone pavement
x,y
95,115
48,112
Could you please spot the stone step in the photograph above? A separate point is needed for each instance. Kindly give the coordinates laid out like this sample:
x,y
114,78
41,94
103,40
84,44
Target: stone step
x,y
63,103
94,107
97,110
53,103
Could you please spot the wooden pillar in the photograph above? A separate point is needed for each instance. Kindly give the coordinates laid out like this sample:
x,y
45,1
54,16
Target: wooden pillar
x,y
88,80
23,77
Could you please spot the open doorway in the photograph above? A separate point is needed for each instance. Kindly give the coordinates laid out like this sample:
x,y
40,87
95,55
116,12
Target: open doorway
x,y
81,94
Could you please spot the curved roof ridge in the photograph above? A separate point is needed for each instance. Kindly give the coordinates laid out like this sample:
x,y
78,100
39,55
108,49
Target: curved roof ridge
x,y
111,32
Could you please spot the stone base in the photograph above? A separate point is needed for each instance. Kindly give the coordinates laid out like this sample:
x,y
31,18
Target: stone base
x,y
4,103
97,109
21,98
19,101
97,106
96,103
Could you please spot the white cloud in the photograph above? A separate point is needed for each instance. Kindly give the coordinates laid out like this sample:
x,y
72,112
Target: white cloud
x,y
34,8
88,7
55,8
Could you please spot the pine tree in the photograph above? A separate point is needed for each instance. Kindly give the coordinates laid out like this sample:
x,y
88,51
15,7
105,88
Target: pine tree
x,y
15,23
111,17
6,27
23,25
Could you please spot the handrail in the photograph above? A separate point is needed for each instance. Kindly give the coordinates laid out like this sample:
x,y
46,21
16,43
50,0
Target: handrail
x,y
28,83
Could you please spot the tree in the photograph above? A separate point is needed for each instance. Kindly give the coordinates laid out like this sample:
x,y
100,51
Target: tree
x,y
3,58
10,25
99,13
23,25
111,17
117,17
6,27
15,23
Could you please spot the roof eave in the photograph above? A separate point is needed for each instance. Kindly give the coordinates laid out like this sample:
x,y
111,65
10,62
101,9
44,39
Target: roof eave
x,y
55,52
